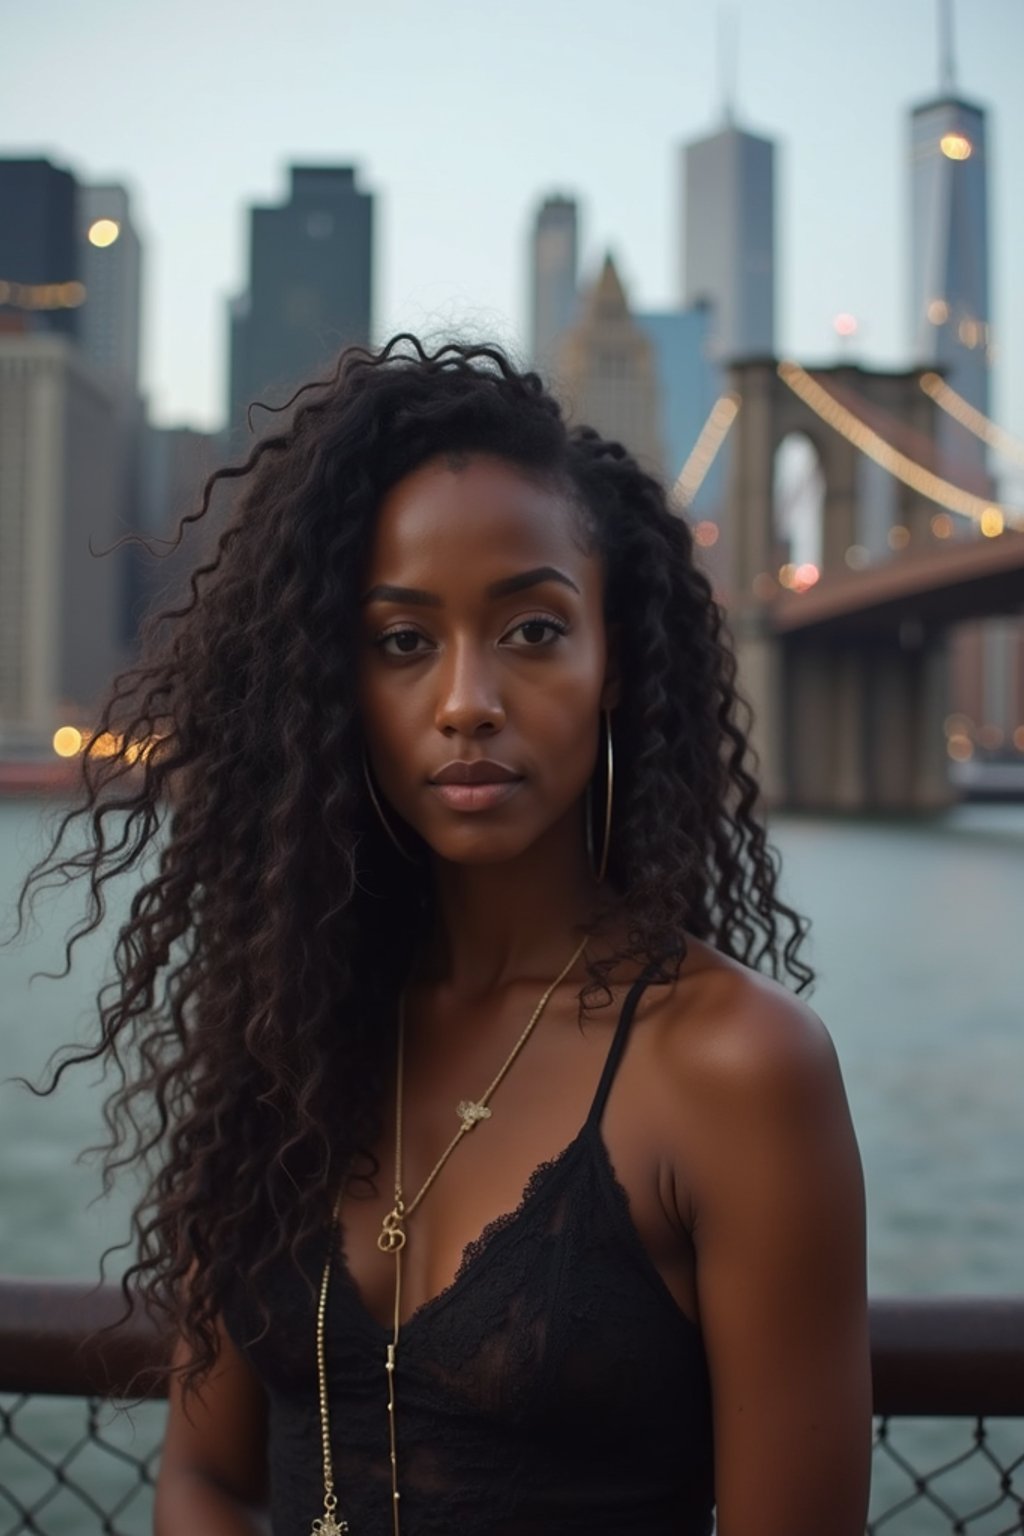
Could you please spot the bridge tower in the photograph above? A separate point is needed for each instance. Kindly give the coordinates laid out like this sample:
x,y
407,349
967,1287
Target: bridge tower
x,y
845,718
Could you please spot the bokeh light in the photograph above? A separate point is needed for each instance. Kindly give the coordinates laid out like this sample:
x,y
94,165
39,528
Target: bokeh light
x,y
103,232
67,741
956,146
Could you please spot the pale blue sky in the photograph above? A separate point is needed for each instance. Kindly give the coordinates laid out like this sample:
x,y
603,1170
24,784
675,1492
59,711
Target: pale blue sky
x,y
462,114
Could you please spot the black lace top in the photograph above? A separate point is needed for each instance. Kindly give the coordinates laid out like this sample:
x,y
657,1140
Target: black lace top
x,y
554,1387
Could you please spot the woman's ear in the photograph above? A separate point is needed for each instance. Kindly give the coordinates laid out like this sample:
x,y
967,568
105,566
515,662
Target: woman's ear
x,y
611,688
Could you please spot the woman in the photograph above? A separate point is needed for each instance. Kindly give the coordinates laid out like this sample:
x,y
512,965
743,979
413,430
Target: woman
x,y
499,1190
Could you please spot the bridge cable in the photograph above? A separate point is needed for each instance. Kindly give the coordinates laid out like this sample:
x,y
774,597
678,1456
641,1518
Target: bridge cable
x,y
899,465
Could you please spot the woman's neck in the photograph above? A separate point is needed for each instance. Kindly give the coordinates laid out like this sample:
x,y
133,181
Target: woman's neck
x,y
496,923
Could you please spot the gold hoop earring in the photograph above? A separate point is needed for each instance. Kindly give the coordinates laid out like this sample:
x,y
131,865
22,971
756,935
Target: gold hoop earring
x,y
380,811
602,864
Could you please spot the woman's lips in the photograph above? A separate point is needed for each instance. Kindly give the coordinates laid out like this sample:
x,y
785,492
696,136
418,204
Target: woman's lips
x,y
476,797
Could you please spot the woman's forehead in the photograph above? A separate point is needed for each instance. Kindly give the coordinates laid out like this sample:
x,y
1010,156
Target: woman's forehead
x,y
482,512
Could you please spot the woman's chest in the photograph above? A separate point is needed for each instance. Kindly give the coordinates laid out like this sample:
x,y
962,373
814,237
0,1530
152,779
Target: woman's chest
x,y
620,1168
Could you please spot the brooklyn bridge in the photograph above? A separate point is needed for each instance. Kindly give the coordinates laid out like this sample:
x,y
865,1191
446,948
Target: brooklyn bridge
x,y
846,658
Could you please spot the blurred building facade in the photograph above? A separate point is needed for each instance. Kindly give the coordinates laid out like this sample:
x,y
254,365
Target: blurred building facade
x,y
949,274
950,323
60,603
688,385
40,287
110,337
607,372
176,463
110,265
728,244
727,290
310,288
554,278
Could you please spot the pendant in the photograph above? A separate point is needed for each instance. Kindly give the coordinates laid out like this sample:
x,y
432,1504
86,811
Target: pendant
x,y
469,1113
392,1233
329,1526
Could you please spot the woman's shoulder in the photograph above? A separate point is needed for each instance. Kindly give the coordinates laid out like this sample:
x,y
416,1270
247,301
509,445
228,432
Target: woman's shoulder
x,y
739,1100
735,1027
734,1062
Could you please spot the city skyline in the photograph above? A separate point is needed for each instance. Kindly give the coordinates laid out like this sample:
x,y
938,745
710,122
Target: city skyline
x,y
455,221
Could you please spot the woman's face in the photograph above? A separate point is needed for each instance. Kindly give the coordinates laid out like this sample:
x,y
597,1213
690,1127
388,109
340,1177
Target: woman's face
x,y
483,656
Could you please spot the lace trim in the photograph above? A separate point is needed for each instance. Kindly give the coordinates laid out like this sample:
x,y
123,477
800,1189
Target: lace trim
x,y
476,1246
474,1251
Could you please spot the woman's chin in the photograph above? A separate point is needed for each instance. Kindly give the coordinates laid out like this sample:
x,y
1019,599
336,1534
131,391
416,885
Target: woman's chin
x,y
478,846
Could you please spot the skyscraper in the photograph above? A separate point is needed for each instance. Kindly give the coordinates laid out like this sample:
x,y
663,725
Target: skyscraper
x,y
553,277
949,290
40,288
59,602
110,265
310,286
606,371
949,312
688,385
728,245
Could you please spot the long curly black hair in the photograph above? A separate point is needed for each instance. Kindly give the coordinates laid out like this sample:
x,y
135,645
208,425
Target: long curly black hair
x,y
259,957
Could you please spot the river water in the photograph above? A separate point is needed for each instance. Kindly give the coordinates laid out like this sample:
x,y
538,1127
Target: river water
x,y
918,939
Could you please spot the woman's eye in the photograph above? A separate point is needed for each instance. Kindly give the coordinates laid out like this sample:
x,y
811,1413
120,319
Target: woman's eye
x,y
399,642
538,632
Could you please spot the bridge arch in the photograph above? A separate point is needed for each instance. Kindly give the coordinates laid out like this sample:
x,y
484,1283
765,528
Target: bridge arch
x,y
769,414
798,499
837,725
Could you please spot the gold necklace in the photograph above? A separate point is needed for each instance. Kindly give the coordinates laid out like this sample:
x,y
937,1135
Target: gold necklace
x,y
392,1239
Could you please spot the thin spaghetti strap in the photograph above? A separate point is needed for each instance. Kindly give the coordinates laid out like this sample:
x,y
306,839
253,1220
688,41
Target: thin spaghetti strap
x,y
618,1044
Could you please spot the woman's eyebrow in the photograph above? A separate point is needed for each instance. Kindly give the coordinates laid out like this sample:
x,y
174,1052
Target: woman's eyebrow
x,y
384,592
532,578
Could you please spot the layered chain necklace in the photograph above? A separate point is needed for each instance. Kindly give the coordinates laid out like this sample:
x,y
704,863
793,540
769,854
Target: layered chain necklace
x,y
392,1239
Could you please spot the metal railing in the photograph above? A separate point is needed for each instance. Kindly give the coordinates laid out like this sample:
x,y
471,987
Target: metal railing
x,y
948,1396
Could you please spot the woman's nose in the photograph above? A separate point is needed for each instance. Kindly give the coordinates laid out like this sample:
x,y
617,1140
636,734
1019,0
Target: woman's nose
x,y
469,699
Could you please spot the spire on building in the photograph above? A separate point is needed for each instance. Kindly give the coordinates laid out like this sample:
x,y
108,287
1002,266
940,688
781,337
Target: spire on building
x,y
728,45
947,71
606,368
606,299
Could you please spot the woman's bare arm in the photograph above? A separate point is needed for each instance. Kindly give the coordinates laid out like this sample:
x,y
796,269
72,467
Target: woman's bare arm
x,y
779,1233
213,1471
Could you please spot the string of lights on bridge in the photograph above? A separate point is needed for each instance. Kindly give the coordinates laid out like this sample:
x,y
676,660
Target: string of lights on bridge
x,y
947,399
991,518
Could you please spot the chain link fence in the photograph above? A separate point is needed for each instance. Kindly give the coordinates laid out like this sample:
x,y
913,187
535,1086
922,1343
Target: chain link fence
x,y
73,1467
77,1466
957,1477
